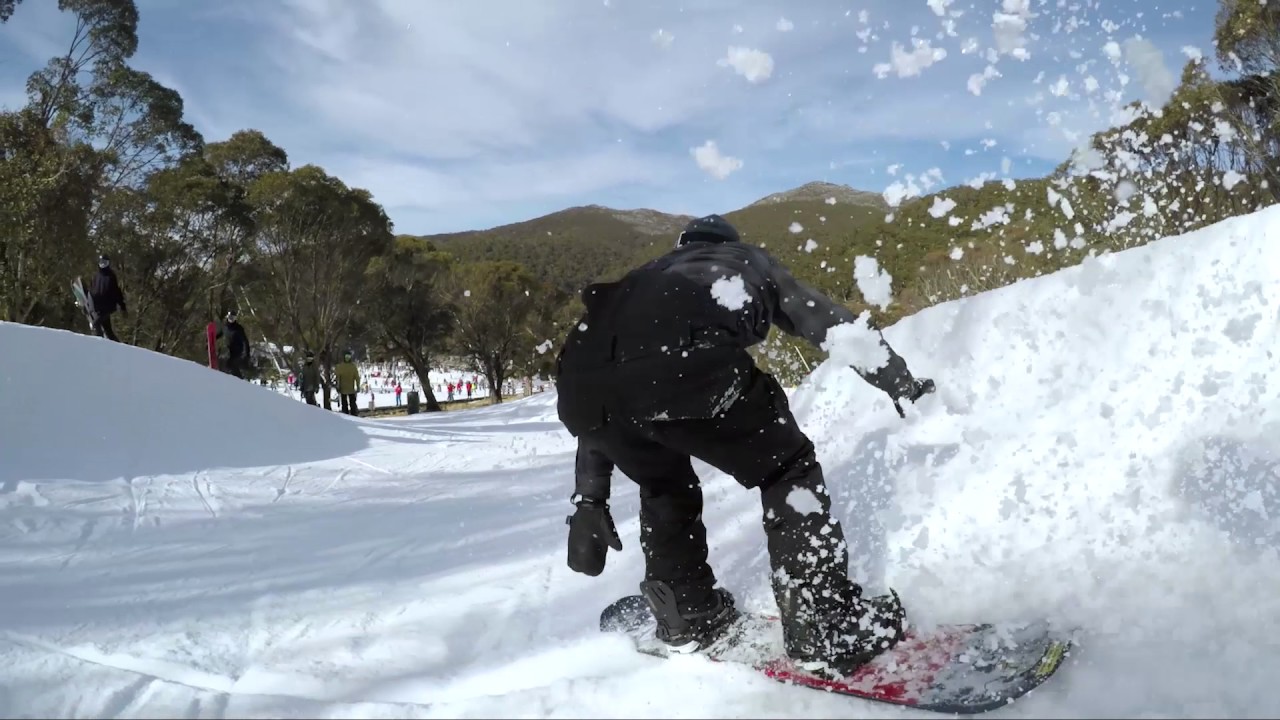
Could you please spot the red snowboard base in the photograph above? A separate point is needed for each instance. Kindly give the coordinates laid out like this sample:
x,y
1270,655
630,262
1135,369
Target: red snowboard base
x,y
958,669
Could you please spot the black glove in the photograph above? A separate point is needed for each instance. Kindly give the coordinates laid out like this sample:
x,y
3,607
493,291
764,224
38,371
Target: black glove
x,y
591,534
913,391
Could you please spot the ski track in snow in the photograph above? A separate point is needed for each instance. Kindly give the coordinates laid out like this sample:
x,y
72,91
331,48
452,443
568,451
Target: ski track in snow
x,y
1101,451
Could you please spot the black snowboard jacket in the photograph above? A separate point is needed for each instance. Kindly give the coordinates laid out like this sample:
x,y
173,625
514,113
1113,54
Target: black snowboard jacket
x,y
106,293
237,341
669,341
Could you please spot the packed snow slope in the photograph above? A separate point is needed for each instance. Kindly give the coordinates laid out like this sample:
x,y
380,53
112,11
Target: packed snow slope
x,y
86,409
1102,451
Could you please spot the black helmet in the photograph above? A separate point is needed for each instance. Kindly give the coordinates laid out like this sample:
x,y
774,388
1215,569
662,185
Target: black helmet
x,y
709,228
232,315
104,261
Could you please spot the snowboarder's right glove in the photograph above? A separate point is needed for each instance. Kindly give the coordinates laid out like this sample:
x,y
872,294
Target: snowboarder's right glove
x,y
591,534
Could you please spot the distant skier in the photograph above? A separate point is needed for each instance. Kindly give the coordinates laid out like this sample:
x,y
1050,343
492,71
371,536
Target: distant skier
x,y
656,372
107,298
309,379
237,345
348,377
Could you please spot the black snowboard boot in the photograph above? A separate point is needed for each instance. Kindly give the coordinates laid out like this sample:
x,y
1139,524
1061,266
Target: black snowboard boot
x,y
824,617
835,633
688,631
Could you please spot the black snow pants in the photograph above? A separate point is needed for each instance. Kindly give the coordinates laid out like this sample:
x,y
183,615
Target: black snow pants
x,y
349,403
235,366
757,441
102,326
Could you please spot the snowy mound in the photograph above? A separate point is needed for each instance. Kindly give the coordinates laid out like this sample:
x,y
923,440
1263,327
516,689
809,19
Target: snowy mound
x,y
1101,452
1104,450
82,408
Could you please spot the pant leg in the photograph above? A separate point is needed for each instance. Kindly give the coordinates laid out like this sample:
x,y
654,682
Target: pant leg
x,y
309,396
758,442
672,534
104,327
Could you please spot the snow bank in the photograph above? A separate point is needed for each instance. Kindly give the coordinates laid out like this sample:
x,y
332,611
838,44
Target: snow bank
x,y
1103,449
82,408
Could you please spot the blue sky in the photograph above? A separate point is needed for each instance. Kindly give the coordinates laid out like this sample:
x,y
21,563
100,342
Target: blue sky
x,y
465,114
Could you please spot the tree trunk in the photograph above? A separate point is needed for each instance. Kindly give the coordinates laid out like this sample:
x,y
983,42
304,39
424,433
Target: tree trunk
x,y
424,380
493,373
324,383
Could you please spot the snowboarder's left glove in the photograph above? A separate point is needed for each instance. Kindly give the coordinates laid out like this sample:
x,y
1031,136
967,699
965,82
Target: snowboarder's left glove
x,y
913,391
591,534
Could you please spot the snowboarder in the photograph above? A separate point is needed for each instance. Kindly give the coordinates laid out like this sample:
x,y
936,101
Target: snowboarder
x,y
107,298
348,377
237,345
656,372
309,378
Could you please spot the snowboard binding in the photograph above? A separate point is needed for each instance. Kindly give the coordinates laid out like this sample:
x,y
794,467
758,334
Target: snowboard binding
x,y
687,633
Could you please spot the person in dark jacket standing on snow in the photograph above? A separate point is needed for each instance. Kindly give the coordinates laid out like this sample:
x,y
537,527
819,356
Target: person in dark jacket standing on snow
x,y
237,345
310,378
107,298
656,372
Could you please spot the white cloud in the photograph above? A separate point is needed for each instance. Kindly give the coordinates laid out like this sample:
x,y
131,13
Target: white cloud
x,y
498,108
1147,61
458,80
712,162
909,63
500,180
978,81
1010,27
754,65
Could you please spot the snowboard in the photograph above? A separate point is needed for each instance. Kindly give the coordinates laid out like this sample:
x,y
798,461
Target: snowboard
x,y
958,669
84,301
211,339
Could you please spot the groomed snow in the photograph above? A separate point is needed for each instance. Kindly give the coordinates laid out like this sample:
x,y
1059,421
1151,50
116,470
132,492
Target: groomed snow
x,y
177,543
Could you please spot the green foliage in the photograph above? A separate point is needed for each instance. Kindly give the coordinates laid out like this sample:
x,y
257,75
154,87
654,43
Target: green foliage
x,y
6,9
407,305
46,192
140,124
572,248
1248,32
106,35
315,237
246,156
178,238
497,310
